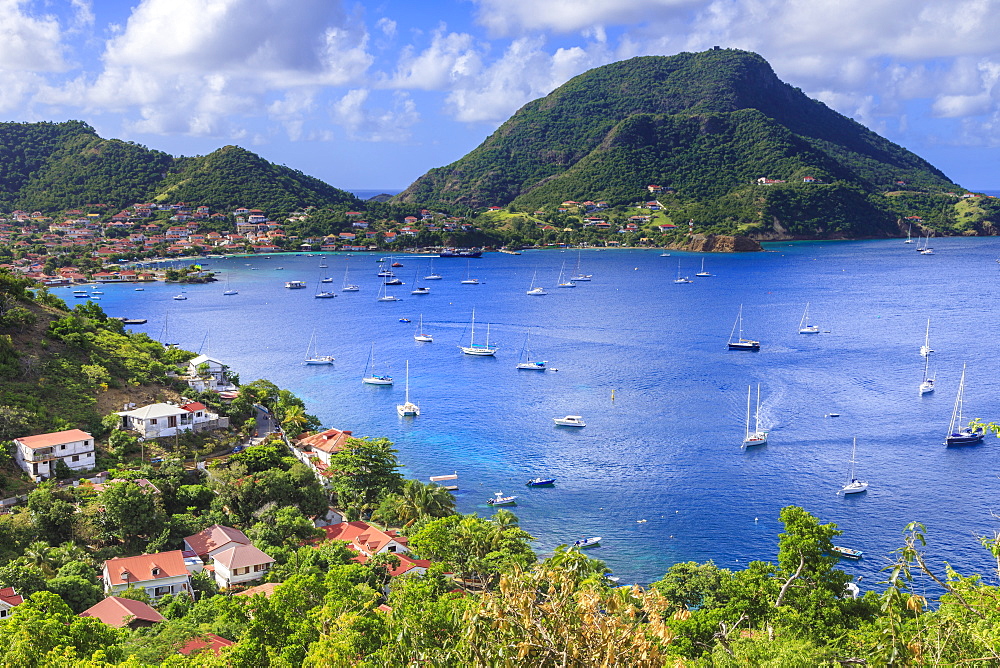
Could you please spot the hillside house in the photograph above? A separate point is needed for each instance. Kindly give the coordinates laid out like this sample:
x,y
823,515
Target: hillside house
x,y
37,455
161,420
124,612
323,444
240,563
366,539
159,574
209,542
207,374
9,599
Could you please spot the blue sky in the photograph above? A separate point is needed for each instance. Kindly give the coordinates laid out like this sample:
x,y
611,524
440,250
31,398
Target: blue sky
x,y
373,94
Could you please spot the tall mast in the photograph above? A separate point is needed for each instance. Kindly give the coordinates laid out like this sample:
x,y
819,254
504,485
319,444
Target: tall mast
x,y
756,414
748,413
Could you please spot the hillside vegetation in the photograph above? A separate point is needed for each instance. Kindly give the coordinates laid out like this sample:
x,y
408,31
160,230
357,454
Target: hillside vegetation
x,y
50,167
705,125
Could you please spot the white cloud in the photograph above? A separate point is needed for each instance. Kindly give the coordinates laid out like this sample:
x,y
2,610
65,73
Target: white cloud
x,y
367,124
387,26
450,58
505,17
29,43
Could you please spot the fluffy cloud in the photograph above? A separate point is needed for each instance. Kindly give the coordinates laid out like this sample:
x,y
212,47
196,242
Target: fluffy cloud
x,y
29,43
368,124
503,17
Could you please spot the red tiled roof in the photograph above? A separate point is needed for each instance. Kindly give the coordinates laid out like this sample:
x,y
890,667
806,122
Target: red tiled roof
x,y
214,537
55,438
406,563
266,589
10,597
140,568
241,556
209,641
120,612
362,536
331,440
194,406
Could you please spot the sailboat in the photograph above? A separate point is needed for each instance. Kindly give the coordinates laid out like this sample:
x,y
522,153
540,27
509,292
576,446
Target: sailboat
x,y
384,294
703,273
432,276
909,239
757,436
480,349
419,289
374,378
420,336
312,357
407,408
855,485
561,283
925,349
228,290
532,290
577,274
927,384
321,293
927,250
957,433
741,343
526,354
679,279
804,326
468,280
348,286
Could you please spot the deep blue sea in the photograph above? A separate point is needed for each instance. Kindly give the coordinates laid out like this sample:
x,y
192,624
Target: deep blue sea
x,y
667,448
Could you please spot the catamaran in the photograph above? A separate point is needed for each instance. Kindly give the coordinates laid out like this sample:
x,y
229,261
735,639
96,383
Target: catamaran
x,y
311,357
804,326
419,289
374,378
854,486
408,408
758,436
741,343
479,349
957,433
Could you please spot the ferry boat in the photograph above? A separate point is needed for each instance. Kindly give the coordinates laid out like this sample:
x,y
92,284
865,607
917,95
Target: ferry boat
x,y
295,285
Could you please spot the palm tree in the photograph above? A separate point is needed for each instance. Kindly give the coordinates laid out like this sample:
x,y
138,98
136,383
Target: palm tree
x,y
40,554
292,419
418,501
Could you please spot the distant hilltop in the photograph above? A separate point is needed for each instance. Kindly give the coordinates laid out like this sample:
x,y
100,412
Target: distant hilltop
x,y
726,145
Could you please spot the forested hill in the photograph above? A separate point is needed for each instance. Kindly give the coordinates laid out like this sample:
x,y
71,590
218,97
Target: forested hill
x,y
50,167
705,125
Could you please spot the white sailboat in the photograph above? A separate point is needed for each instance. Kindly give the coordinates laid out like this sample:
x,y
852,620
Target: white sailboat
x,y
228,290
909,239
854,486
526,355
374,378
312,357
927,250
679,279
419,289
741,343
533,290
420,336
321,293
925,349
468,279
703,273
757,436
958,432
927,384
384,295
804,326
479,349
577,274
348,286
407,408
432,276
561,283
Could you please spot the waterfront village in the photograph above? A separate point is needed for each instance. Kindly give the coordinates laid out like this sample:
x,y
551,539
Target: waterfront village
x,y
86,244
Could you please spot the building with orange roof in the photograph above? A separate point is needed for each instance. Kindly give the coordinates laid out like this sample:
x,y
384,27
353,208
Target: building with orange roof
x,y
206,643
123,612
366,539
324,443
159,574
38,454
9,599
216,538
266,589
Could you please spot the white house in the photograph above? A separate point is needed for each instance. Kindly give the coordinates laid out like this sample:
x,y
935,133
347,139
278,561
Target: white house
x,y
323,444
159,574
205,374
159,420
38,455
9,599
366,539
240,563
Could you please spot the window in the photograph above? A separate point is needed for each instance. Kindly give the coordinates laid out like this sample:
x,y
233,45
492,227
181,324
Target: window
x,y
75,458
4,612
153,421
392,548
156,571
162,591
62,447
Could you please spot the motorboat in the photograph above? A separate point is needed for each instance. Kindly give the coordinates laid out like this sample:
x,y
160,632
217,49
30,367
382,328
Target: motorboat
x,y
587,542
295,285
570,421
499,499
180,297
541,482
847,552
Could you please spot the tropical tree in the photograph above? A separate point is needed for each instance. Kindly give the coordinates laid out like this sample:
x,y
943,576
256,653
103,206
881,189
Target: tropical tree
x,y
364,472
416,501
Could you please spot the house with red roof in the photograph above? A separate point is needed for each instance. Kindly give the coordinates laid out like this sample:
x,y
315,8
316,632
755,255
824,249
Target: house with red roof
x,y
206,643
159,574
9,599
124,612
216,538
240,563
323,444
37,455
366,539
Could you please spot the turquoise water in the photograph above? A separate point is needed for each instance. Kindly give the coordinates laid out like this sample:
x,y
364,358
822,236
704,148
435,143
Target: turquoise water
x,y
667,448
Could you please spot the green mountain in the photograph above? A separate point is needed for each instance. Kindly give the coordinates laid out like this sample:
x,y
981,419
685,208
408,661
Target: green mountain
x,y
706,125
54,166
